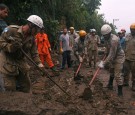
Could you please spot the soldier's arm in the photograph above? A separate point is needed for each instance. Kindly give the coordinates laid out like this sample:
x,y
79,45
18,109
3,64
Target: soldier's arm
x,y
112,53
48,43
75,49
60,42
34,53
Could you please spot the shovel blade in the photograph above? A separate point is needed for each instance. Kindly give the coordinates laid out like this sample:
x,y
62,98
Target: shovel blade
x,y
87,94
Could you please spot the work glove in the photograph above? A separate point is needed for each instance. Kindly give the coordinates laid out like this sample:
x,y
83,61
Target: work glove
x,y
80,59
41,66
61,50
15,46
101,64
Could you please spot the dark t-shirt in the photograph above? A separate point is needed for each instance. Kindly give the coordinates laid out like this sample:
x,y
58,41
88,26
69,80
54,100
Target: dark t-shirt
x,y
3,25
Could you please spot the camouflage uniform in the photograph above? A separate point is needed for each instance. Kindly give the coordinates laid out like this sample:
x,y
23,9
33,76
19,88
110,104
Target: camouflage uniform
x,y
92,47
72,38
115,57
13,65
130,58
79,50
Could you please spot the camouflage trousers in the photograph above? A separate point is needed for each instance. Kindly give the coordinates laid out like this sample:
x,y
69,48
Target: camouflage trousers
x,y
129,66
9,82
92,53
116,71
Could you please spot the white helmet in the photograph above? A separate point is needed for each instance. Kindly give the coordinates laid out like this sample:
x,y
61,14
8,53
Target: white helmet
x,y
105,29
36,20
93,30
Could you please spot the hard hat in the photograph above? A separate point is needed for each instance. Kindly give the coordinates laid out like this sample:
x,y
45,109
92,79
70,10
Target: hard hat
x,y
71,28
132,26
82,33
120,32
36,20
105,29
93,30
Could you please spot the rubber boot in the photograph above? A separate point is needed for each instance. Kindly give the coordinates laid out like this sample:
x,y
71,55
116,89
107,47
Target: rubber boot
x,y
110,84
120,92
133,85
55,71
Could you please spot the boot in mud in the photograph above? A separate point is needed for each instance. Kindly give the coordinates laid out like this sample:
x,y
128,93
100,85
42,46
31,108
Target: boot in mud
x,y
133,86
110,84
55,71
120,92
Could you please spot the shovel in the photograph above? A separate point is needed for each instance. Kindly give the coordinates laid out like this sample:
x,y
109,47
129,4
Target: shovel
x,y
87,94
43,72
78,69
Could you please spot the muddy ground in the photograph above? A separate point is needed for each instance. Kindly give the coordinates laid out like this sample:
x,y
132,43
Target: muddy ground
x,y
48,99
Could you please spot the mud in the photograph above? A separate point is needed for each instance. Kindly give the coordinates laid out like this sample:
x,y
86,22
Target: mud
x,y
48,99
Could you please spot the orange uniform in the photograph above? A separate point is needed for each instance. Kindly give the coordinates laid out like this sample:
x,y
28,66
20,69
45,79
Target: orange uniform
x,y
43,46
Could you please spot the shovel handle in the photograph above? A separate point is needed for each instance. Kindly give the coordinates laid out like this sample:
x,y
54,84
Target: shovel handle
x,y
43,72
79,67
93,78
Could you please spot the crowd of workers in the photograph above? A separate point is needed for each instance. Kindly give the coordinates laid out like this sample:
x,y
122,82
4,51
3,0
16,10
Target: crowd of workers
x,y
32,39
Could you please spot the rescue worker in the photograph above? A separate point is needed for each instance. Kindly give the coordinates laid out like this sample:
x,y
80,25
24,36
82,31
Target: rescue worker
x,y
72,36
13,64
3,14
115,56
44,49
123,31
122,42
122,39
92,45
130,57
79,51
86,41
65,49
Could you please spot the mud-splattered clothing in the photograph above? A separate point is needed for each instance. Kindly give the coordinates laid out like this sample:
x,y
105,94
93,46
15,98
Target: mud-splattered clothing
x,y
13,64
115,56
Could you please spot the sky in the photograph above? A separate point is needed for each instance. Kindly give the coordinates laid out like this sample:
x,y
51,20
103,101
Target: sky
x,y
123,10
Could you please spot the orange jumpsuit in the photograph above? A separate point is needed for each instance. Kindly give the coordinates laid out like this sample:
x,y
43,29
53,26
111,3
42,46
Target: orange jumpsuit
x,y
43,46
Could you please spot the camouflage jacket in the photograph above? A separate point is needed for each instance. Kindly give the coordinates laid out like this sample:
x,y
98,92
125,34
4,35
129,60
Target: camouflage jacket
x,y
115,52
130,47
92,42
12,61
79,48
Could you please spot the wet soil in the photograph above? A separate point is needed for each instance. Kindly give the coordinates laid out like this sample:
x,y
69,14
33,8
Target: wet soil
x,y
48,99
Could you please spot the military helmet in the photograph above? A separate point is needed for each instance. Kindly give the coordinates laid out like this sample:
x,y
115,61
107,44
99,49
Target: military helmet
x,y
106,29
71,28
132,26
36,20
82,33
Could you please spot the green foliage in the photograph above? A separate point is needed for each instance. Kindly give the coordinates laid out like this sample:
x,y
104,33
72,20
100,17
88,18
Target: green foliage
x,y
56,14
